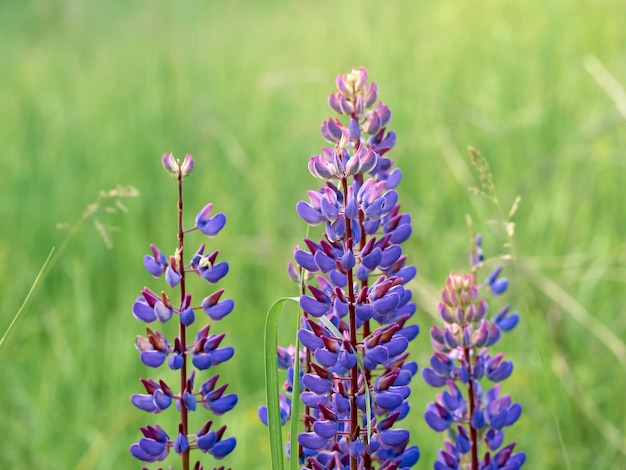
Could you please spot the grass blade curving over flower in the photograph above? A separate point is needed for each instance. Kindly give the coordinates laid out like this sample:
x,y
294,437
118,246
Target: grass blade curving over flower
x,y
272,380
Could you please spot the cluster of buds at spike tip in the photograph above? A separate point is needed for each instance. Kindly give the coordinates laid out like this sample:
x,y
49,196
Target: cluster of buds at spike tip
x,y
205,350
357,309
473,420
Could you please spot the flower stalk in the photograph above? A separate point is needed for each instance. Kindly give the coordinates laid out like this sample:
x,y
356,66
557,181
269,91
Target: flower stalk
x,y
204,351
474,423
356,306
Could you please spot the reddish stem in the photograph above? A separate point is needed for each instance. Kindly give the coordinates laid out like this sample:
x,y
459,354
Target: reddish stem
x,y
181,328
473,433
354,372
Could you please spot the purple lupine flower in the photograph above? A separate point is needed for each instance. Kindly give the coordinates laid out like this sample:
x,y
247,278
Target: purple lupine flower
x,y
205,351
473,420
356,278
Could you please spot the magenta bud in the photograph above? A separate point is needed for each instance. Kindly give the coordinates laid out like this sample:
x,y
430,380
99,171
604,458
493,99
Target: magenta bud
x,y
371,95
445,313
169,163
373,124
342,84
354,130
383,111
359,107
331,130
333,102
187,166
359,77
346,106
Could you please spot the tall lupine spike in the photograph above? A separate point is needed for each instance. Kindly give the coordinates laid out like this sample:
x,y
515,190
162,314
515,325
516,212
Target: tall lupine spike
x,y
204,351
359,287
473,421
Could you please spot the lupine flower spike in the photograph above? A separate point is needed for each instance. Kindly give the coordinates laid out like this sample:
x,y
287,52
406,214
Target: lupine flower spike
x,y
204,351
473,420
356,323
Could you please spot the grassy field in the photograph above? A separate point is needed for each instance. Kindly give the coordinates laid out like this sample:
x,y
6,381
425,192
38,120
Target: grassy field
x,y
93,93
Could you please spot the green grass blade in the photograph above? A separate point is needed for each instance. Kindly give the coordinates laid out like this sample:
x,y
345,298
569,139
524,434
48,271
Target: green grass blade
x,y
272,381
295,406
27,298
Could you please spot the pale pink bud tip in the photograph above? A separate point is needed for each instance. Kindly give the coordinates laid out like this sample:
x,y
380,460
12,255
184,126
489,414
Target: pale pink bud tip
x,y
187,166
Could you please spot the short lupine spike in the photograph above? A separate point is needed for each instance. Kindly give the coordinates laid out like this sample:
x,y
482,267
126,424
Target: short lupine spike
x,y
205,351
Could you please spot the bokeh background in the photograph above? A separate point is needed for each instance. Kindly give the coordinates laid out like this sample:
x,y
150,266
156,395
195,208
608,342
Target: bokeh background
x,y
93,93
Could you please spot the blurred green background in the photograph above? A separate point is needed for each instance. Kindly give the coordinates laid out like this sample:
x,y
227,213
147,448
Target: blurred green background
x,y
93,93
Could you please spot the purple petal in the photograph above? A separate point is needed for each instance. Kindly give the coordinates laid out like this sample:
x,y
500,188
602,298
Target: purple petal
x,y
224,447
409,457
308,213
312,399
312,306
394,437
162,312
171,277
142,311
316,384
181,444
306,260
310,440
152,447
364,312
325,428
310,340
378,354
388,400
478,419
190,401
162,400
152,266
216,272
387,303
509,322
513,414
393,179
187,316
224,404
222,355
397,345
201,361
262,414
208,225
325,357
323,261
502,372
152,358
143,402
208,440
435,420
220,310
433,379
329,211
401,233
391,254
175,361
499,286
139,454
